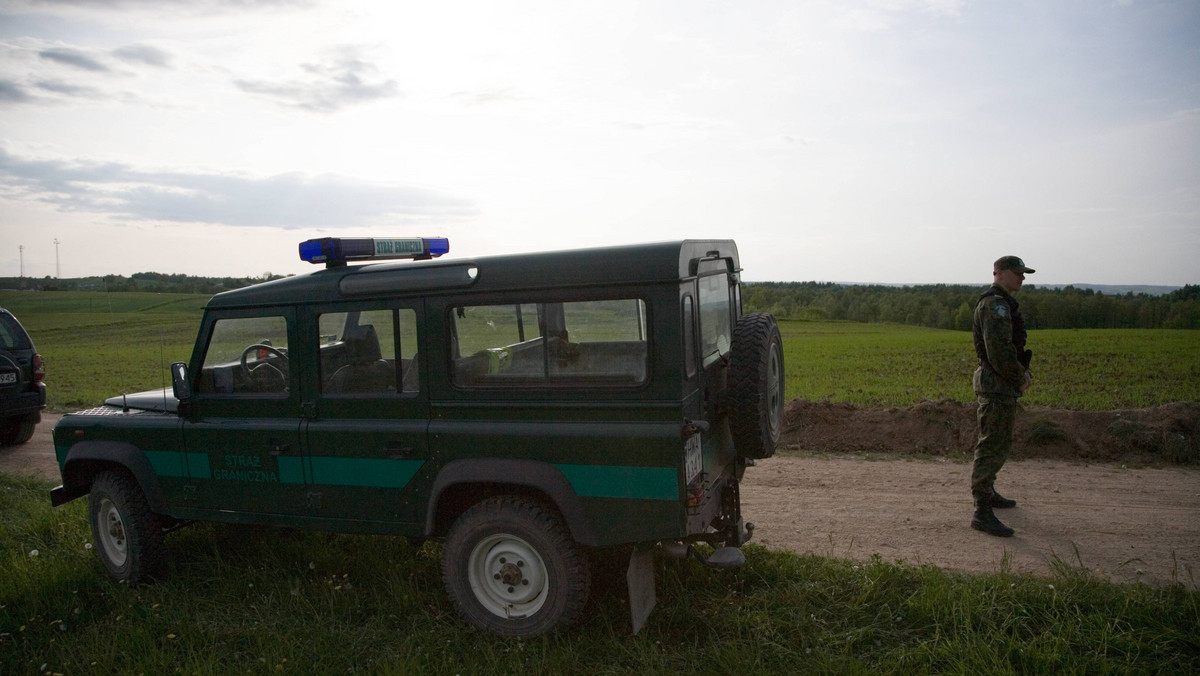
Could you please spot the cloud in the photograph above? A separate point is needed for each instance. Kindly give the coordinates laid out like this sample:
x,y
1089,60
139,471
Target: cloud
x,y
327,87
146,54
11,92
67,89
288,201
73,58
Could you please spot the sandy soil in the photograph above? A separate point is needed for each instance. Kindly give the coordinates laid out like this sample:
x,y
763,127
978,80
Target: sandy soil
x,y
1125,522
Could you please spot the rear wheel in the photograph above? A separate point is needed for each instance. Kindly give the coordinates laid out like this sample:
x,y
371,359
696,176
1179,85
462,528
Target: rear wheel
x,y
128,536
756,386
17,430
510,567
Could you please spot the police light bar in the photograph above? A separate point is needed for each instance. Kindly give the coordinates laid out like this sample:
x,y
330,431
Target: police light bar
x,y
337,251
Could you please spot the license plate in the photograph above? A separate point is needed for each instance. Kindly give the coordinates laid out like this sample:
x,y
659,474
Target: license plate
x,y
8,378
694,463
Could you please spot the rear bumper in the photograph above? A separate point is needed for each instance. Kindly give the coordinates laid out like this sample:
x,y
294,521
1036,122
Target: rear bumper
x,y
24,403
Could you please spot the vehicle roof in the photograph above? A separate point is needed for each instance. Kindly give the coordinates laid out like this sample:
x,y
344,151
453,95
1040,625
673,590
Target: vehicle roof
x,y
617,265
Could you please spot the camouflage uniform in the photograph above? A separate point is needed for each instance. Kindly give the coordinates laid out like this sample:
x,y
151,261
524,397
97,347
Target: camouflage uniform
x,y
1003,361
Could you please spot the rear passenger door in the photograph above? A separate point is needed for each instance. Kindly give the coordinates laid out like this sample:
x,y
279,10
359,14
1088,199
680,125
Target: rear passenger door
x,y
366,433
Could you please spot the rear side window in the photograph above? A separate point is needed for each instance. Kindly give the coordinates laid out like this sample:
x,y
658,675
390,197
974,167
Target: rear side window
x,y
12,336
599,343
716,318
369,352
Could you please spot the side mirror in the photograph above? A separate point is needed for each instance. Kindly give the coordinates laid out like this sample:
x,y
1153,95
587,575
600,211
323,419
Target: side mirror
x,y
179,382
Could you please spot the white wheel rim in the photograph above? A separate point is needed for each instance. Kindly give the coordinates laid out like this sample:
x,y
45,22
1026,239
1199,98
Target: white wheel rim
x,y
112,532
507,576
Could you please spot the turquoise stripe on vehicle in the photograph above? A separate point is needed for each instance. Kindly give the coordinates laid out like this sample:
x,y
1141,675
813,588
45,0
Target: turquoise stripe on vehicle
x,y
607,481
166,463
291,470
364,472
198,467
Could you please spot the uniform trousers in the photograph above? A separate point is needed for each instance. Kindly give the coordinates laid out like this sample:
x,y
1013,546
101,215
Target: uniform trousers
x,y
996,415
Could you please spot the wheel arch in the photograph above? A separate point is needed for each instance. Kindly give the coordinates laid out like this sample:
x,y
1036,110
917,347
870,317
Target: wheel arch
x,y
86,459
462,483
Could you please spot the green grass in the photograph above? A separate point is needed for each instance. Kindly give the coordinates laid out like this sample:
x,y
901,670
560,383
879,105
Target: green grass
x,y
1079,369
262,601
98,345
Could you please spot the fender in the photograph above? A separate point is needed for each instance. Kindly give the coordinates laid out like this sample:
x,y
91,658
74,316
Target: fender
x,y
541,476
78,470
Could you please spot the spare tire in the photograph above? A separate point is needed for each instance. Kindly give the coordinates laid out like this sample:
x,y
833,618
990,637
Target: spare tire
x,y
756,386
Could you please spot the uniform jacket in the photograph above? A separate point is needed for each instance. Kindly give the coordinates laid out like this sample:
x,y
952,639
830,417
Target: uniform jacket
x,y
1000,344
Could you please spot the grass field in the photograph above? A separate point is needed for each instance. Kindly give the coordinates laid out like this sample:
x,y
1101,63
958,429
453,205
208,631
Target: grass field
x,y
99,345
244,600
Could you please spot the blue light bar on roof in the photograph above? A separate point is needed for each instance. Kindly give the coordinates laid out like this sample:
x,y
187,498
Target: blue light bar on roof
x,y
335,251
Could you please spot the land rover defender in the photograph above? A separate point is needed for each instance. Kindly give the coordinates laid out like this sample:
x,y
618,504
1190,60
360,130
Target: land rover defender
x,y
521,409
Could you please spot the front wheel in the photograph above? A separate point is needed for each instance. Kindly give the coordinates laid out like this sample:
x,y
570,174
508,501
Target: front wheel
x,y
510,567
128,536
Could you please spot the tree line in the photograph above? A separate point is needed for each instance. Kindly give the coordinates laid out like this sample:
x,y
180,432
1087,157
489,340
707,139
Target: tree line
x,y
152,282
942,306
951,306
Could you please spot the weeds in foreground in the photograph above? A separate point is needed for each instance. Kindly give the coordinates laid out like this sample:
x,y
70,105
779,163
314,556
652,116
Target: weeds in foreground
x,y
252,600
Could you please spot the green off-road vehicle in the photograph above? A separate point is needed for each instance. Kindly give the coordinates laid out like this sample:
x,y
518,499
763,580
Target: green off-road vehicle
x,y
522,409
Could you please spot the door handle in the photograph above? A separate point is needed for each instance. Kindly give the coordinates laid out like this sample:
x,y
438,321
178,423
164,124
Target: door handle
x,y
400,452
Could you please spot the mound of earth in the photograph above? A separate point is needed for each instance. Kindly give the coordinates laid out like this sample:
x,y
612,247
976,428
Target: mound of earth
x,y
1167,434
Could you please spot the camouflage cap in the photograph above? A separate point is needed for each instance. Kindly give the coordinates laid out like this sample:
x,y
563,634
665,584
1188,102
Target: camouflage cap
x,y
1011,263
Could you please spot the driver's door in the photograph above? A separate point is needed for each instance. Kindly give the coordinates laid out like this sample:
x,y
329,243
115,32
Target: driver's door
x,y
242,433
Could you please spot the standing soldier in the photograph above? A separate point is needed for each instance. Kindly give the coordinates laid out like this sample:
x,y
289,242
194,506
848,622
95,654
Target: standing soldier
x,y
1002,377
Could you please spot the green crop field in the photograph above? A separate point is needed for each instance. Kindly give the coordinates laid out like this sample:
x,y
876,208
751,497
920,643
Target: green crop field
x,y
1081,369
98,345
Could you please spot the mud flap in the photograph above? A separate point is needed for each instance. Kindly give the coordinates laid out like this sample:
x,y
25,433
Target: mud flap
x,y
640,577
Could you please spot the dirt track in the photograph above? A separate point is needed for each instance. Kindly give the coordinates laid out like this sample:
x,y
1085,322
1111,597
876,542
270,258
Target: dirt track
x,y
1126,524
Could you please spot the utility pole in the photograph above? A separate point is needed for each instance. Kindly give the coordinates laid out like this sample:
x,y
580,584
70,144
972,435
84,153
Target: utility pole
x,y
22,248
57,269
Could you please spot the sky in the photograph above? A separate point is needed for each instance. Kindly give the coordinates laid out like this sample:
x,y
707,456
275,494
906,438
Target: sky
x,y
882,141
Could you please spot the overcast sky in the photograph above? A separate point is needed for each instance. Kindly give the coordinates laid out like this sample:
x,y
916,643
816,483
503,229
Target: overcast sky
x,y
892,141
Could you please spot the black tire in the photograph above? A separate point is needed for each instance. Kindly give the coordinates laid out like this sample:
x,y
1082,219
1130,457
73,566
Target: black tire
x,y
128,536
510,567
17,430
756,393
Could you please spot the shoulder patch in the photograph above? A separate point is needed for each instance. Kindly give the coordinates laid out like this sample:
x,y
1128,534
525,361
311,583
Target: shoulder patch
x,y
1000,309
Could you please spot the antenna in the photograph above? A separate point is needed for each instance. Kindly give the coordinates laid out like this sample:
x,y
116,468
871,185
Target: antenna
x,y
162,362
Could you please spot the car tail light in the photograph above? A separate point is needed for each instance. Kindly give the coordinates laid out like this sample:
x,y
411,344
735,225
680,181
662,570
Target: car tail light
x,y
39,368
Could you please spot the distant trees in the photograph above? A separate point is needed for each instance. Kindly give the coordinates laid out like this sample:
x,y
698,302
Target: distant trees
x,y
951,306
153,282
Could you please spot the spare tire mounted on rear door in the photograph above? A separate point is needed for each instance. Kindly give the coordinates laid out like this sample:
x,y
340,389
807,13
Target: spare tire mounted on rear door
x,y
756,386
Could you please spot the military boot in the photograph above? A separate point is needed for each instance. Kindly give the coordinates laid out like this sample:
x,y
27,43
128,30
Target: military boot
x,y
997,501
987,522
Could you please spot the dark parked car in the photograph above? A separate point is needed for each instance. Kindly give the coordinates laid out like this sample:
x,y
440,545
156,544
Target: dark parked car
x,y
22,392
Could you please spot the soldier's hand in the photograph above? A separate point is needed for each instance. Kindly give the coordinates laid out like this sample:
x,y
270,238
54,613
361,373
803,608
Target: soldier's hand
x,y
1028,381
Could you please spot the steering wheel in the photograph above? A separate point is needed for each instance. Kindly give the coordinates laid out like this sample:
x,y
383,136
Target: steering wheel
x,y
263,370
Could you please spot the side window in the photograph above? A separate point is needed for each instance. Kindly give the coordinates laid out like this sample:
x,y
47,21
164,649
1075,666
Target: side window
x,y
372,352
246,355
567,344
689,336
12,337
716,324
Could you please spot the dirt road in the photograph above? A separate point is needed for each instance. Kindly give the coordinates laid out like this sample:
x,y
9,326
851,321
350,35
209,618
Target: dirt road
x,y
1126,524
